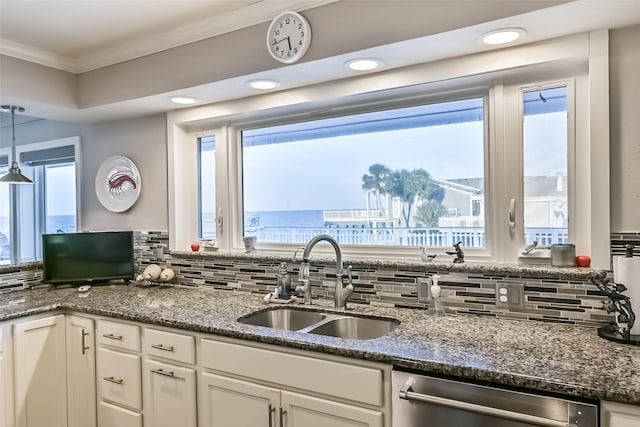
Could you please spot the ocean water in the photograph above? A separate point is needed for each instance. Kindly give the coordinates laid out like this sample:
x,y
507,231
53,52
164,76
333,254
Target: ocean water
x,y
279,219
55,224
61,224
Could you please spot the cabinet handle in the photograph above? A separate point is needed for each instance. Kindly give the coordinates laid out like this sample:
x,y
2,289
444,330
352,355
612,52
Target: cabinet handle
x,y
283,412
512,214
118,381
169,374
161,347
271,411
84,344
113,337
407,393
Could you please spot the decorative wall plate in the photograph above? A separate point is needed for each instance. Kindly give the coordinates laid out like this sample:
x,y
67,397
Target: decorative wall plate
x,y
118,183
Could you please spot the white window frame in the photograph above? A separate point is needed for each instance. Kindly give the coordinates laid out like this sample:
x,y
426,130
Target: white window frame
x,y
27,191
583,55
7,151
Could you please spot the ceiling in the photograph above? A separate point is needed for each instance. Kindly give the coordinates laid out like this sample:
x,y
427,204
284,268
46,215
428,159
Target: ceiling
x,y
91,34
82,35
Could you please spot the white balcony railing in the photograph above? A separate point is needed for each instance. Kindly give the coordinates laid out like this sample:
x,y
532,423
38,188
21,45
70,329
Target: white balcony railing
x,y
472,237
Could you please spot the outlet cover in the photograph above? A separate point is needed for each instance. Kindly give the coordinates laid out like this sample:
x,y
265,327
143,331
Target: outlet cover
x,y
424,289
510,295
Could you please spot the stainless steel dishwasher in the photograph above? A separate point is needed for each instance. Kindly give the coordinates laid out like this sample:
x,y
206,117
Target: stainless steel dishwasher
x,y
420,401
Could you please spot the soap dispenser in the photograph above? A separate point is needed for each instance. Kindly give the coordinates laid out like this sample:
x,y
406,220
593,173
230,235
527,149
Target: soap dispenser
x,y
284,282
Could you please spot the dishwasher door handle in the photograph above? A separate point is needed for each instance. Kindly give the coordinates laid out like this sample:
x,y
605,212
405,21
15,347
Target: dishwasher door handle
x,y
407,393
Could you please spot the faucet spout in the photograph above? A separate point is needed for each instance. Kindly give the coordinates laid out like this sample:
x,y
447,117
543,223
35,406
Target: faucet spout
x,y
323,238
342,292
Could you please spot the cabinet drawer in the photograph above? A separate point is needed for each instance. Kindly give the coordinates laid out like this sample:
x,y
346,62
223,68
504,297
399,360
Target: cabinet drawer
x,y
356,383
169,345
119,378
114,416
119,335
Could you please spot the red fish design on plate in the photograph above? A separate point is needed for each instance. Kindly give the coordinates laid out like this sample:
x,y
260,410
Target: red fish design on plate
x,y
120,182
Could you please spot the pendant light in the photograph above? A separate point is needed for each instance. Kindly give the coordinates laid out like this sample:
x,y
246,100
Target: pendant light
x,y
14,176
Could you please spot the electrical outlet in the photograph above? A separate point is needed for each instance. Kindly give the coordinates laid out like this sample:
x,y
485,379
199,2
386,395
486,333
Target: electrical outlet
x,y
424,289
510,295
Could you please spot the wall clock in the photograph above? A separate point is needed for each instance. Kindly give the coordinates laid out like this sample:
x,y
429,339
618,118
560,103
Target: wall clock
x,y
289,37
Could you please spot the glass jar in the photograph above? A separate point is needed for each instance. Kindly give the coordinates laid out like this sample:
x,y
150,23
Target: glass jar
x,y
563,255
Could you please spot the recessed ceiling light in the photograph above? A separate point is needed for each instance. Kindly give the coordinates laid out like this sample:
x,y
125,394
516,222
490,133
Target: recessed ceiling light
x,y
364,64
502,36
182,100
263,84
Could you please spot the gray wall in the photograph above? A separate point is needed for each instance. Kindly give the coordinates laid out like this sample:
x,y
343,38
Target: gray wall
x,y
624,51
142,139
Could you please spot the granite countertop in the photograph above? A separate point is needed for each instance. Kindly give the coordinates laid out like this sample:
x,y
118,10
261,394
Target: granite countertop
x,y
563,359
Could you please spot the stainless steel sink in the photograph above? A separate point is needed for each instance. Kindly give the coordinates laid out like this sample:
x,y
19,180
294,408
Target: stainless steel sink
x,y
283,318
321,323
355,328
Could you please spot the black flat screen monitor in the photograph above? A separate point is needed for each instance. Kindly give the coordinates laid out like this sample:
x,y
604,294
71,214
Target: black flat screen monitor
x,y
77,258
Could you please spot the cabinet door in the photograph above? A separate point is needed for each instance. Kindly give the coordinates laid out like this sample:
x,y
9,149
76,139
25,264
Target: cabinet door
x,y
114,416
40,373
81,372
226,402
619,415
306,411
3,392
169,395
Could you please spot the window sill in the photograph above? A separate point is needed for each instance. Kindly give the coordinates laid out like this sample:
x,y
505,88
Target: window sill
x,y
494,269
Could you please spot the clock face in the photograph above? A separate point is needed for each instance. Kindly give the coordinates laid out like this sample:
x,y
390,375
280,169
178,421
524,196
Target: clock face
x,y
289,37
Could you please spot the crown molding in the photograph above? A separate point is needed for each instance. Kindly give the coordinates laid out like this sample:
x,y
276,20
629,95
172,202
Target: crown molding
x,y
39,56
234,20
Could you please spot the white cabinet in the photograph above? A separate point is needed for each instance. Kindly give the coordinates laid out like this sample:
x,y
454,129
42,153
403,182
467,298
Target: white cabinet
x,y
300,410
119,374
169,388
287,389
169,395
3,393
6,379
81,372
112,415
619,415
40,372
230,402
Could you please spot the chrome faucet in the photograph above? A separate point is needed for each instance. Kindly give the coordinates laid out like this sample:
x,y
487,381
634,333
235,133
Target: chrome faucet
x,y
342,293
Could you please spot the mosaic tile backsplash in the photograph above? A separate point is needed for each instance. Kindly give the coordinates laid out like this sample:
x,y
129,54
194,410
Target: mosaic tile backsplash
x,y
547,299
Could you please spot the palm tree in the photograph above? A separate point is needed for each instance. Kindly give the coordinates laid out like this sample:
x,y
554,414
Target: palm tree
x,y
375,180
408,186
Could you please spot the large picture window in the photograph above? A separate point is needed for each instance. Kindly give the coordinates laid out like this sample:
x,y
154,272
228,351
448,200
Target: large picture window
x,y
456,151
411,176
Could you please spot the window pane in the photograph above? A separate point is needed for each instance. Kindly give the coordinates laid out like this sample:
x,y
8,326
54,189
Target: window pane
x,y
545,166
207,187
5,233
60,198
406,177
